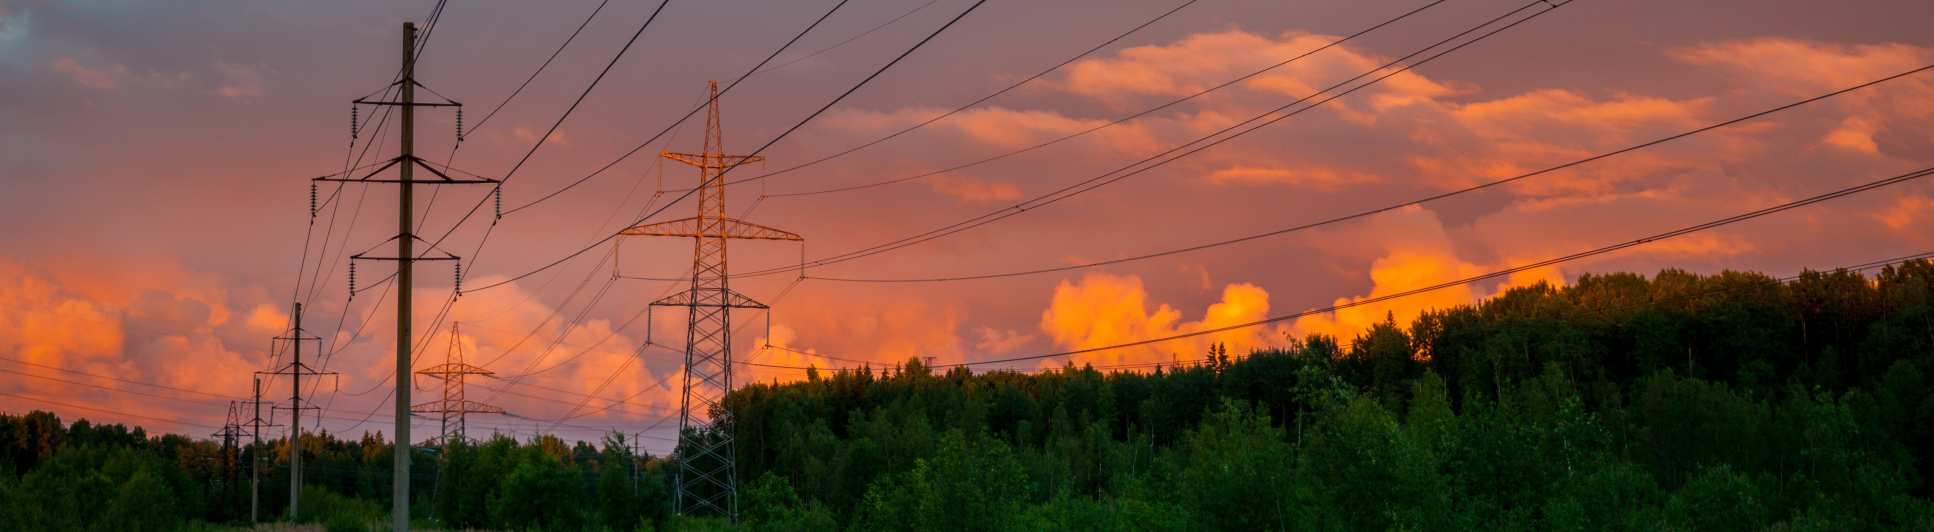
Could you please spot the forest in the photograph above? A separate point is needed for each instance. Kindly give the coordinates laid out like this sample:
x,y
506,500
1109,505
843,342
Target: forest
x,y
1732,401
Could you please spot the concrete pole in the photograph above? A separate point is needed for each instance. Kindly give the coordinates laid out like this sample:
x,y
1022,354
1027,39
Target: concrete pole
x,y
295,418
400,489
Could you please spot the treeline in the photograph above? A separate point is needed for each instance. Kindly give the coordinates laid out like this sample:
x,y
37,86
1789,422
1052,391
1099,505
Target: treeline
x,y
109,477
1723,402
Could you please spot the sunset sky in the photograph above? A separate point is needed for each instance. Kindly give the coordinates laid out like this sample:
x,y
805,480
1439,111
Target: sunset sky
x,y
155,160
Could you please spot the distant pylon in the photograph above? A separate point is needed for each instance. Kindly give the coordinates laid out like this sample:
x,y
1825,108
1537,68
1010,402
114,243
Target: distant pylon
x,y
231,434
707,476
452,372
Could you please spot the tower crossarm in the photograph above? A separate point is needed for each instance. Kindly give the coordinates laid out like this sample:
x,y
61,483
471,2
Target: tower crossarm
x,y
728,228
454,407
451,369
686,299
713,162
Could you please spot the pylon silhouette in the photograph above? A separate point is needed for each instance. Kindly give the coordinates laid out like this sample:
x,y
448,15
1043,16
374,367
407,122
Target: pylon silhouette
x,y
707,475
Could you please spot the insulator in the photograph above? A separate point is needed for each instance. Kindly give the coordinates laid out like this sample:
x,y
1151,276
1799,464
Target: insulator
x,y
457,272
312,199
355,125
352,278
459,124
499,194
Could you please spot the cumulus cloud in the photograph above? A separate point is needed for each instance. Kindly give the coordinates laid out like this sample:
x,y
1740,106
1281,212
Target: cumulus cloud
x,y
1412,251
1103,309
992,341
972,189
1201,60
1314,177
172,337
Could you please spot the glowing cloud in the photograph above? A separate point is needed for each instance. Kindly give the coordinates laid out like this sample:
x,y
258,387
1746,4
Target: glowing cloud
x,y
1105,309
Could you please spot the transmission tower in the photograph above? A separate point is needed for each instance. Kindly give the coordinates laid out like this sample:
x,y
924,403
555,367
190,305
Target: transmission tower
x,y
231,435
452,372
406,163
296,370
707,477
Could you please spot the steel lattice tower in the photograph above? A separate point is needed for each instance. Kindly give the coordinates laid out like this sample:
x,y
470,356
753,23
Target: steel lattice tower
x,y
707,476
452,372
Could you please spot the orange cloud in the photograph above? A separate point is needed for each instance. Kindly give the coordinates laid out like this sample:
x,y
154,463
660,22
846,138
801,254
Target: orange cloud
x,y
1105,309
994,341
1200,60
1806,66
1413,251
974,189
174,338
1315,176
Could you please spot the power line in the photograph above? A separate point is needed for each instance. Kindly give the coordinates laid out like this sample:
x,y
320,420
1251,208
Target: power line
x,y
118,379
983,99
526,157
688,114
1123,172
795,127
849,40
1070,136
111,388
448,302
1392,207
1491,275
581,97
539,70
106,411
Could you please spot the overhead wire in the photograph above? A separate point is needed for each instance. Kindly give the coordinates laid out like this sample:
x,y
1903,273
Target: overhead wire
x,y
795,127
688,114
1057,140
1200,144
1721,222
983,99
508,175
1391,207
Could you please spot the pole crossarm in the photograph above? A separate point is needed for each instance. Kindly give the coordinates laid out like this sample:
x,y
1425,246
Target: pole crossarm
x,y
430,253
694,227
414,162
447,102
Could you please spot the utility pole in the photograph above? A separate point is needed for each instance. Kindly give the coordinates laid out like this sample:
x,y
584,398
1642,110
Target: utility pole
x,y
707,476
406,162
296,370
452,372
255,458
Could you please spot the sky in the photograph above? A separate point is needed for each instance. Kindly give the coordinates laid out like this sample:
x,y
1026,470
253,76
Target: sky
x,y
156,161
